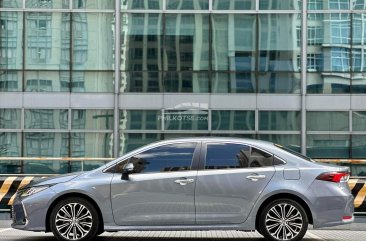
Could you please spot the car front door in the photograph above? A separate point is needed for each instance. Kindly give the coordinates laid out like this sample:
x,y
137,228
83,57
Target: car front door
x,y
160,191
231,181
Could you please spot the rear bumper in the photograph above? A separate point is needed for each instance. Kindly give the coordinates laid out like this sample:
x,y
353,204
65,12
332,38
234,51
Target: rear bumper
x,y
333,204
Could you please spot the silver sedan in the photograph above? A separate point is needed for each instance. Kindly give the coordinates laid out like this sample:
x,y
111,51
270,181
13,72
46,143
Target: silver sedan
x,y
191,184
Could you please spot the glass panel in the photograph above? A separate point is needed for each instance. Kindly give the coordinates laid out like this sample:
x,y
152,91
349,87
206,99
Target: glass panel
x,y
330,4
91,145
359,121
233,82
359,4
186,82
358,147
9,119
47,4
224,156
358,53
358,170
92,119
187,42
141,42
279,42
280,120
93,4
327,121
93,38
233,120
45,119
292,142
11,4
328,146
168,158
329,53
140,120
45,167
187,4
11,35
275,82
329,83
141,4
91,81
47,40
46,144
141,82
280,4
10,81
193,119
47,81
233,5
131,141
10,145
234,42
248,136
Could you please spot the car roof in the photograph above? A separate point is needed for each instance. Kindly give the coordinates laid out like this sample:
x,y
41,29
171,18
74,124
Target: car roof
x,y
217,139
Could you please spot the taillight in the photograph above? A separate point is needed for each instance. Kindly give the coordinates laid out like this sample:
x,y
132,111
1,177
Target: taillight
x,y
334,176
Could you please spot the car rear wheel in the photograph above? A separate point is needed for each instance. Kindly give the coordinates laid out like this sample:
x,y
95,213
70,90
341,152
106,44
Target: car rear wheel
x,y
283,219
74,219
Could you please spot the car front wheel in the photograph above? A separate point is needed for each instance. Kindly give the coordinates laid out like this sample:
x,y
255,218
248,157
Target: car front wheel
x,y
283,219
74,219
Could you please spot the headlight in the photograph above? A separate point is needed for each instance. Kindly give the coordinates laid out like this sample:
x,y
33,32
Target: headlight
x,y
31,190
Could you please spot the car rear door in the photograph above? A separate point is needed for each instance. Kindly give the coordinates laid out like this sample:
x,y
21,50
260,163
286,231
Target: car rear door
x,y
232,177
161,189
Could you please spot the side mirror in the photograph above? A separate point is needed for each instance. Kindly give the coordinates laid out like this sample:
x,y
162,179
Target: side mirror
x,y
127,170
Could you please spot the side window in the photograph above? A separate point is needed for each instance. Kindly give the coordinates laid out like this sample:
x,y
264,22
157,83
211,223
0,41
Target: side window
x,y
168,158
259,158
227,155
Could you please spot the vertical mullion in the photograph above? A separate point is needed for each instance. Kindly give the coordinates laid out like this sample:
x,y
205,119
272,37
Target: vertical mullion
x,y
303,75
117,76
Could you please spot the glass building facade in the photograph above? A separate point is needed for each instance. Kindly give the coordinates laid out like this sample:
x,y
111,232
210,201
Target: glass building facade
x,y
98,78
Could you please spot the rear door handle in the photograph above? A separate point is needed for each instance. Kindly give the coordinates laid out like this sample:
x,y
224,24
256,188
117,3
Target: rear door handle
x,y
184,181
255,178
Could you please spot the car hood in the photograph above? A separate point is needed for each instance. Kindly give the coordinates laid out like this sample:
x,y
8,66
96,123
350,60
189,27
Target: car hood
x,y
53,179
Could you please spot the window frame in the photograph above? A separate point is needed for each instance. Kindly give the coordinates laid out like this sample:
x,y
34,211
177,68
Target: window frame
x,y
202,163
194,164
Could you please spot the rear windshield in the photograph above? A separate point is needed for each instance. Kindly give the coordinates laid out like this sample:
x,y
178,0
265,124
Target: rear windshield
x,y
294,153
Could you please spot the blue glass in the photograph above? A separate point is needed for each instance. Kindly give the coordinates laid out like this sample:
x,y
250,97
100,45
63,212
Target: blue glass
x,y
280,120
11,35
328,146
327,121
233,4
280,4
233,120
187,4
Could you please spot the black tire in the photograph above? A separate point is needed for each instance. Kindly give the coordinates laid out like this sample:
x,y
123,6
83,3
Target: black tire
x,y
64,227
290,224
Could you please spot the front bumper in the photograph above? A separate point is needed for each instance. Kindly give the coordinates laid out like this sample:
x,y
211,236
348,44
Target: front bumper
x,y
30,213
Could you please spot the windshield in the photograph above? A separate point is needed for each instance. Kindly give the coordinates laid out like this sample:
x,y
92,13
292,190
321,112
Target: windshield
x,y
294,153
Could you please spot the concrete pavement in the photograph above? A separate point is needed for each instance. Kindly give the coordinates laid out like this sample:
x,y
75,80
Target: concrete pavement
x,y
352,232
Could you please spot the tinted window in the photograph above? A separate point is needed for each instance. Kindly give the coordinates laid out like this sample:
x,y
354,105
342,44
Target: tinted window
x,y
168,158
223,156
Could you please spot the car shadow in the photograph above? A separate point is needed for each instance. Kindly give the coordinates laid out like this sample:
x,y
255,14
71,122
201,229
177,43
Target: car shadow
x,y
122,238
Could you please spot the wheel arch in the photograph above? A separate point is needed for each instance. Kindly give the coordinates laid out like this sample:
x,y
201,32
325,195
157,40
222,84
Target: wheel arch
x,y
287,196
77,195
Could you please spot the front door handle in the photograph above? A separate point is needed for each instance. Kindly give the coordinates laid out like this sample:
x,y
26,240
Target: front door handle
x,y
184,181
255,178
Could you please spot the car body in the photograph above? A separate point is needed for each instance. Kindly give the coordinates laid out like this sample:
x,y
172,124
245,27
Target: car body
x,y
191,184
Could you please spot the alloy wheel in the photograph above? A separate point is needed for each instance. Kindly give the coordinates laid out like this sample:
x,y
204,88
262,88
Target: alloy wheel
x,y
73,221
284,221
